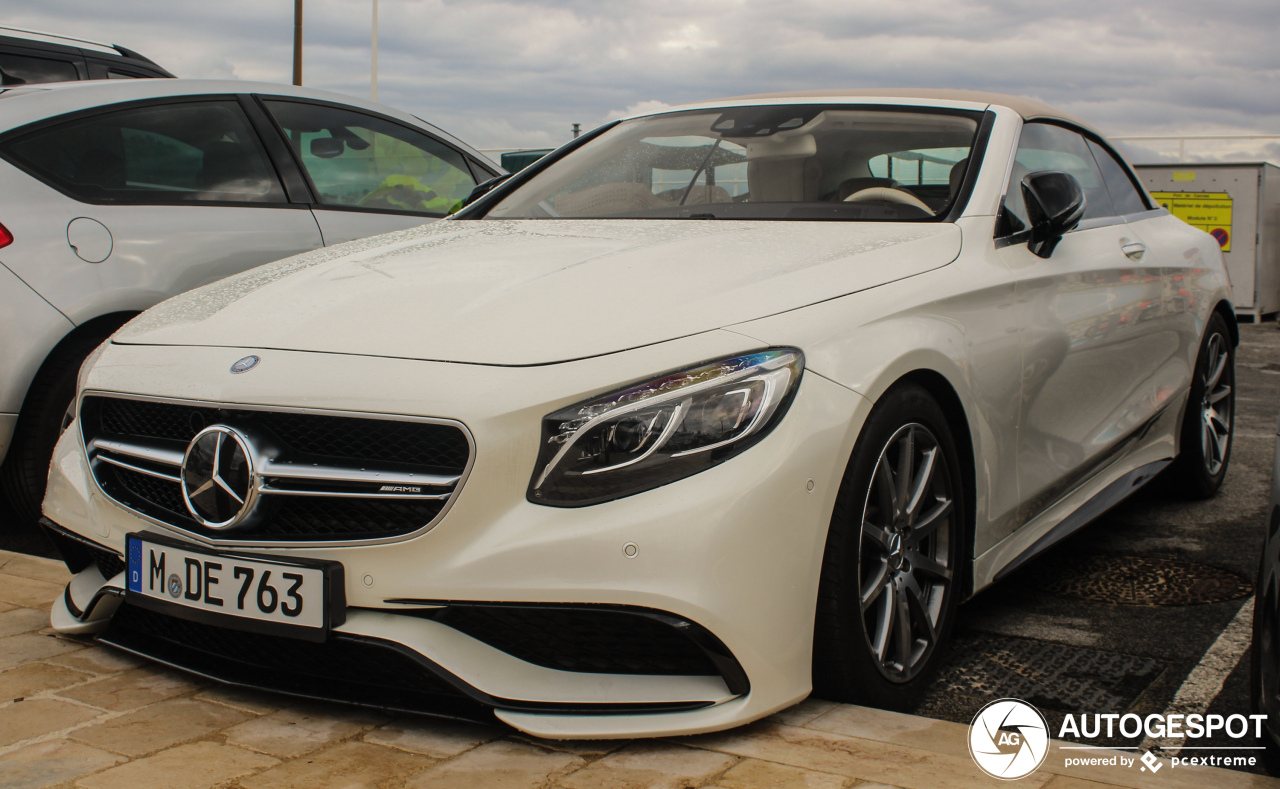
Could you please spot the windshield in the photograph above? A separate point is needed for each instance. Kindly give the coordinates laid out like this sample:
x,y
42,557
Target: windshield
x,y
771,162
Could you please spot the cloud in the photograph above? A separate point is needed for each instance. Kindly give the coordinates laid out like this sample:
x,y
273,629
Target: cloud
x,y
502,74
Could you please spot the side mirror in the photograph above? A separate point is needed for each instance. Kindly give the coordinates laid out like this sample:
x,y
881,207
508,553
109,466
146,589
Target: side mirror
x,y
485,188
1055,206
327,147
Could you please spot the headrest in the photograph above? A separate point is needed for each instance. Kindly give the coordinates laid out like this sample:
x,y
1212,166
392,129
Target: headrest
x,y
778,148
957,174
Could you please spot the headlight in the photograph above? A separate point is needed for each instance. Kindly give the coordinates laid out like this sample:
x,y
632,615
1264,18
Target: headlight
x,y
87,365
662,430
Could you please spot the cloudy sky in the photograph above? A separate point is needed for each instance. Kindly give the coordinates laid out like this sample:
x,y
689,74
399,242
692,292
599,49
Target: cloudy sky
x,y
518,74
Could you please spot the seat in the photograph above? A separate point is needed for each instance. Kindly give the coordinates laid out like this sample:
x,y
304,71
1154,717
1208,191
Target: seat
x,y
607,200
698,195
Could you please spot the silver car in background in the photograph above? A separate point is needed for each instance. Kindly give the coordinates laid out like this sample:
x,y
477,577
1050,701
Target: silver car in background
x,y
115,195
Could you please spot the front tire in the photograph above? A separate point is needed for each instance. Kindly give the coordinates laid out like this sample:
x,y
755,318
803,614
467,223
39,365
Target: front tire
x,y
891,571
1207,427
46,412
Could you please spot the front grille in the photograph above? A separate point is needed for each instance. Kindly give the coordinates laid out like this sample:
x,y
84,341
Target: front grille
x,y
341,519
413,443
157,497
340,669
153,420
135,448
439,447
586,640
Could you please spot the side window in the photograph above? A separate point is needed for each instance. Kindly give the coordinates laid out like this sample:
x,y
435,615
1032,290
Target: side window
x,y
27,70
1124,195
1045,147
171,153
364,161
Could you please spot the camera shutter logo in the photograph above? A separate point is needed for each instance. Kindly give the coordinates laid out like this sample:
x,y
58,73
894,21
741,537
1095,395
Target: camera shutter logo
x,y
1008,739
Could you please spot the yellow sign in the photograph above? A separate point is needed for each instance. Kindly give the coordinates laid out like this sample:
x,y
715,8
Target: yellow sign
x,y
1208,211
1184,175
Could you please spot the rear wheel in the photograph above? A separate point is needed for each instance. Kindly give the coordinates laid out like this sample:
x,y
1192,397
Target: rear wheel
x,y
890,574
1210,416
46,412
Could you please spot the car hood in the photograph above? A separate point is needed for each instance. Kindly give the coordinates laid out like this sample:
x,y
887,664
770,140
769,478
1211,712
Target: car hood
x,y
524,292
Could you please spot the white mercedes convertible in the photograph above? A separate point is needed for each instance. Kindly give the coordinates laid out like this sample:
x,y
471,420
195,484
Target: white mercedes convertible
x,y
710,409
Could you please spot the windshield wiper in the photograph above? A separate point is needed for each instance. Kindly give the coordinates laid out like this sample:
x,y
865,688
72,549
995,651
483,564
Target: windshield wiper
x,y
698,172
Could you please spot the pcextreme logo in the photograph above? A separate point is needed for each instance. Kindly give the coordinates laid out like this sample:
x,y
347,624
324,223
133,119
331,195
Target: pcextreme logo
x,y
1008,739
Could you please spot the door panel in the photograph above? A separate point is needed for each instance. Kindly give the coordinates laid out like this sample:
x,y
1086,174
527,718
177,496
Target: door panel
x,y
1096,341
340,226
156,251
184,191
1095,348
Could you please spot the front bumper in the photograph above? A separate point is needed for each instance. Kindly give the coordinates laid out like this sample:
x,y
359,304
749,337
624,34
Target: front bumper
x,y
735,550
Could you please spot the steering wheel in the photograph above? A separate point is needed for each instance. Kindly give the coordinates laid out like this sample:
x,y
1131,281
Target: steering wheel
x,y
889,195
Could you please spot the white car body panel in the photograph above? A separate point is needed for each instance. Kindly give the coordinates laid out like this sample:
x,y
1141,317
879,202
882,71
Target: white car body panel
x,y
460,294
154,251
339,227
497,324
33,320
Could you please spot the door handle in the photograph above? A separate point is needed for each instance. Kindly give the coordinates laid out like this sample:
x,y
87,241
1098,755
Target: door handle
x,y
1134,251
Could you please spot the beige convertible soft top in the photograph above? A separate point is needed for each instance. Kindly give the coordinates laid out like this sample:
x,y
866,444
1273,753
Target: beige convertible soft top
x,y
1029,109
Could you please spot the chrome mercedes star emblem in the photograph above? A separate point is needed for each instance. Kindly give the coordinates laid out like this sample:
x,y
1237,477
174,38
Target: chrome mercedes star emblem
x,y
219,483
245,365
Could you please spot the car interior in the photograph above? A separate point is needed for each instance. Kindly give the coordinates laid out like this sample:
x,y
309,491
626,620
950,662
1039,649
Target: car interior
x,y
801,163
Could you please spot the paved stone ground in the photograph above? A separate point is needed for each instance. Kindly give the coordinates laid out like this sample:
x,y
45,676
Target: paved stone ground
x,y
75,714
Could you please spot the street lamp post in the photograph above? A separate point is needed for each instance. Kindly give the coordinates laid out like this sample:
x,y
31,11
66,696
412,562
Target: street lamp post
x,y
297,42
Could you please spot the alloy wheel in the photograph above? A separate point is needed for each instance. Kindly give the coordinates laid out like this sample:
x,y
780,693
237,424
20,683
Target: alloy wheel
x,y
904,573
1216,404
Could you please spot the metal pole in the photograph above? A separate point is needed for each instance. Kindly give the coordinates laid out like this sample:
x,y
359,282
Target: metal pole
x,y
374,78
577,129
297,42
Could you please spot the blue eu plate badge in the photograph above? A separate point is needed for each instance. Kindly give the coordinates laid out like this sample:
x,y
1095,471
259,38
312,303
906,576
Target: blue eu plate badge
x,y
135,565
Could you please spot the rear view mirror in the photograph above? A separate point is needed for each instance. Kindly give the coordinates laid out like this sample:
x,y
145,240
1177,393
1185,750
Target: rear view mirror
x,y
1055,206
327,147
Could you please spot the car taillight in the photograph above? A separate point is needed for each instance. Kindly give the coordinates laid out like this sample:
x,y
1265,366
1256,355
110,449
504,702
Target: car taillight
x,y
6,238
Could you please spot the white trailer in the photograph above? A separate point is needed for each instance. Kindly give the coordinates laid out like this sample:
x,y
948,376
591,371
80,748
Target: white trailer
x,y
1238,203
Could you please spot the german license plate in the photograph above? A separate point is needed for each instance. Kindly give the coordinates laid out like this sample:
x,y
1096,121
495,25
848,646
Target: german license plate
x,y
244,591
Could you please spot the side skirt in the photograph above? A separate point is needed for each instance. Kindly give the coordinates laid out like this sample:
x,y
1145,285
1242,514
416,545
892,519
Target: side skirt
x,y
1092,509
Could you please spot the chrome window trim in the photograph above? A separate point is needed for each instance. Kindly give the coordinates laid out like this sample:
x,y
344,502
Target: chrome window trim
x,y
181,533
